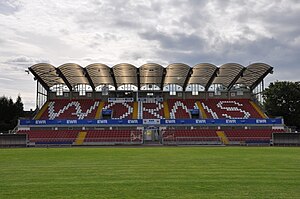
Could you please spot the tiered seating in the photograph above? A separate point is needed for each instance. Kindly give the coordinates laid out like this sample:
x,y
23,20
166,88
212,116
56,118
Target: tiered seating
x,y
195,136
51,136
113,137
121,110
231,109
180,108
250,135
153,110
92,136
71,109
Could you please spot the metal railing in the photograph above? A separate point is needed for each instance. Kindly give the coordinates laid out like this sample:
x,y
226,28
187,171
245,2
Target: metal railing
x,y
191,141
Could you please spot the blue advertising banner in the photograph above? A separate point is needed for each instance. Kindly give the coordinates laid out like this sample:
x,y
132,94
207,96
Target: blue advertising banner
x,y
154,122
222,121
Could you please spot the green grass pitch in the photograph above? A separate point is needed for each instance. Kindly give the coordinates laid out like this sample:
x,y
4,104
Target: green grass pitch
x,y
157,172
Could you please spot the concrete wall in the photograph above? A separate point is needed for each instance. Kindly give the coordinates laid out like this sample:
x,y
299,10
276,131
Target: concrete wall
x,y
13,140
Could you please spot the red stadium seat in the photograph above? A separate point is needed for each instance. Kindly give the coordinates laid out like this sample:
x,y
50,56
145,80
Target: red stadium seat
x,y
70,109
51,136
153,110
120,110
230,109
114,137
180,108
195,136
251,135
95,136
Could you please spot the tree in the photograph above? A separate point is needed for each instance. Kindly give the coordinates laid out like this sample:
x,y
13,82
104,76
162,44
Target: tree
x,y
10,112
19,106
283,99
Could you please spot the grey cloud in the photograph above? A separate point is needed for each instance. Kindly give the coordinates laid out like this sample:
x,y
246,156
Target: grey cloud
x,y
193,58
177,41
126,23
106,36
190,47
244,52
128,56
64,31
23,62
8,7
280,23
2,41
118,15
98,39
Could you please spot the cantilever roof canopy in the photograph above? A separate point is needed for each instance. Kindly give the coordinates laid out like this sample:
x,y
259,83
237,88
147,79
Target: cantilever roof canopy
x,y
46,74
203,74
176,74
151,74
100,74
254,74
228,74
74,74
125,74
181,74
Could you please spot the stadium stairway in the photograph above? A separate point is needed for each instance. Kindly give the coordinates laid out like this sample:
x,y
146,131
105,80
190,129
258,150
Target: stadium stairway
x,y
259,111
98,113
41,112
135,110
166,110
202,111
222,137
80,138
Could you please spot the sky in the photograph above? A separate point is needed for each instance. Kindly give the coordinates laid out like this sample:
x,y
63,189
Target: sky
x,y
143,31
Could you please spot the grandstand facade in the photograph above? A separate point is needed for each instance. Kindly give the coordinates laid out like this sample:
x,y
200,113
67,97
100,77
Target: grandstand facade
x,y
173,105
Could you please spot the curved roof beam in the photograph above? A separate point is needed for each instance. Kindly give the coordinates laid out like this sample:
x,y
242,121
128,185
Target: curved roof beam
x,y
151,73
74,74
100,74
125,74
89,79
254,74
229,74
176,74
203,74
46,74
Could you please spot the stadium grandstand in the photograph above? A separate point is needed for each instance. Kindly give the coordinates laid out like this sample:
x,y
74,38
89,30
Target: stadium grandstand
x,y
150,104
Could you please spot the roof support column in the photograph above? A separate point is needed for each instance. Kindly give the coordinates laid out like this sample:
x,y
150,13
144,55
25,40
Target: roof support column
x,y
138,78
60,74
86,74
211,79
114,79
188,76
163,79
